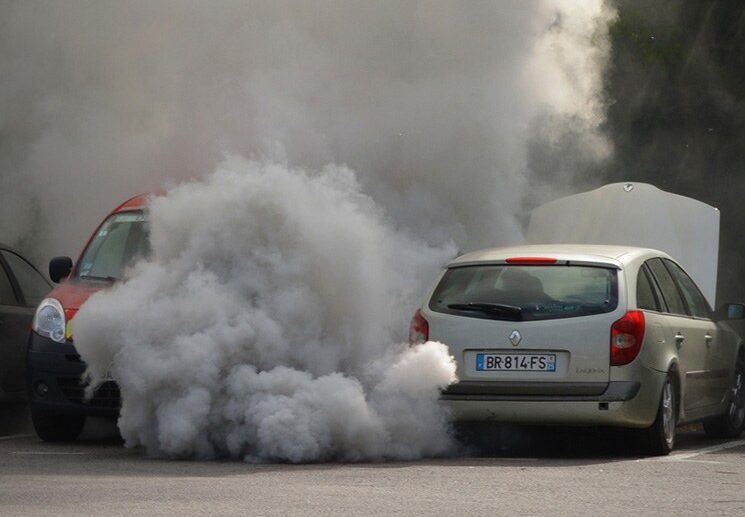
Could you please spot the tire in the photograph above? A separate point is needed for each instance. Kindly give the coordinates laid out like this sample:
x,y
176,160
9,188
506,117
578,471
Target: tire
x,y
730,424
57,428
659,438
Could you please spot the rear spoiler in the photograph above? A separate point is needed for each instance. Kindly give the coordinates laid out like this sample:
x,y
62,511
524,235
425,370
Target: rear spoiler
x,y
504,262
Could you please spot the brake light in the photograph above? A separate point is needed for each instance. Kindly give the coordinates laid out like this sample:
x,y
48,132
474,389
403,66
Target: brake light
x,y
531,260
626,336
419,329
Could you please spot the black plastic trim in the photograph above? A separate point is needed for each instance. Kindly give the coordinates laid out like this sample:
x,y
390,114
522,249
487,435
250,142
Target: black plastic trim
x,y
49,362
615,391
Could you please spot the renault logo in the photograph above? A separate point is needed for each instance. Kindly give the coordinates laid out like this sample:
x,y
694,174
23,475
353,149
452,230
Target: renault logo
x,y
515,338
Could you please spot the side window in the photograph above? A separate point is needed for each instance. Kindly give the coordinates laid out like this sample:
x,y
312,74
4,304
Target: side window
x,y
7,296
656,288
669,290
33,286
645,296
697,304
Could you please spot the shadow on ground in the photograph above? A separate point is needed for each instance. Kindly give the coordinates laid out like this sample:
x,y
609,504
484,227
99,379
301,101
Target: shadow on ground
x,y
14,418
502,441
481,442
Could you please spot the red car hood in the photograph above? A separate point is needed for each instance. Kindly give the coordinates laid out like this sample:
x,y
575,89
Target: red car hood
x,y
72,295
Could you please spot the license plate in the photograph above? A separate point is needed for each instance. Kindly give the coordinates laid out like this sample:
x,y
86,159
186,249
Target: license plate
x,y
516,362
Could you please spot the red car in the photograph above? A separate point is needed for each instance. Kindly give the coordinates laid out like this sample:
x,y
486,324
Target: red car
x,y
54,367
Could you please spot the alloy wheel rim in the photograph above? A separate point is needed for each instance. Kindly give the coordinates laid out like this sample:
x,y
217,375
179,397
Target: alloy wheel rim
x,y
668,413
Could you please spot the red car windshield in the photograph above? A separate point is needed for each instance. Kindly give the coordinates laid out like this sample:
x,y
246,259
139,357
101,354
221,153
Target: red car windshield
x,y
120,241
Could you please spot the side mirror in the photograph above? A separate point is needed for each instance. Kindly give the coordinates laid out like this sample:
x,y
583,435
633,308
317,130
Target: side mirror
x,y
731,311
59,268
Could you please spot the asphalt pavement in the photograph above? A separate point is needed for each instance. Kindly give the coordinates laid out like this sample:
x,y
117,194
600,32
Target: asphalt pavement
x,y
527,472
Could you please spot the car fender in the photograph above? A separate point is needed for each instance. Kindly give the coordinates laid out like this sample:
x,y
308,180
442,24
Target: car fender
x,y
658,351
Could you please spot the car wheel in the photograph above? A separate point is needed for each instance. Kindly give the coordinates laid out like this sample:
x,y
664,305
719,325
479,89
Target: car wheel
x,y
730,424
57,428
659,438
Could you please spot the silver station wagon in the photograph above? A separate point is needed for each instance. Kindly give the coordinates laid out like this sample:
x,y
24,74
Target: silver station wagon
x,y
586,335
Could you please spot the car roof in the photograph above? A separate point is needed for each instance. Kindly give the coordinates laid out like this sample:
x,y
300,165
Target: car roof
x,y
11,248
577,253
137,202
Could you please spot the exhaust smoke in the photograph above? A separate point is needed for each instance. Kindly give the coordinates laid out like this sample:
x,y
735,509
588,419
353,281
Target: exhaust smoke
x,y
431,103
266,324
263,325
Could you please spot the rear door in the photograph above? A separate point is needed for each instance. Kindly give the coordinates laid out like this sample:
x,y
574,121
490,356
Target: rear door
x,y
557,344
689,335
716,373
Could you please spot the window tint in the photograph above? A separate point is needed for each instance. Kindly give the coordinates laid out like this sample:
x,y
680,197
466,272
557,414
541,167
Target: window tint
x,y
33,286
7,296
670,292
526,292
645,297
697,304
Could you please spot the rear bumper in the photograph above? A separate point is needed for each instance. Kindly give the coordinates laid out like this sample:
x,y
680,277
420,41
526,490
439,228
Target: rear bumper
x,y
622,403
59,367
616,391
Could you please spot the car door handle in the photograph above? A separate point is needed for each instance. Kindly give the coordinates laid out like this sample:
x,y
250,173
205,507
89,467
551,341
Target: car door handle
x,y
708,338
679,338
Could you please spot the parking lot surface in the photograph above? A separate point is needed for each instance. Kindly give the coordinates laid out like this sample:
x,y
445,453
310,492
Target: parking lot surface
x,y
556,472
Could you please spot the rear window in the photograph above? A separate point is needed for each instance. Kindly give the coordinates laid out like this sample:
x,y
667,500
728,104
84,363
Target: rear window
x,y
524,293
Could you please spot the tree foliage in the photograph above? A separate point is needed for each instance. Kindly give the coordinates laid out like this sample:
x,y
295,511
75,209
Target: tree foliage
x,y
676,93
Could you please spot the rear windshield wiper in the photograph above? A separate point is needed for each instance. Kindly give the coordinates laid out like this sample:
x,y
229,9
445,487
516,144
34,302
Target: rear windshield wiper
x,y
101,278
499,309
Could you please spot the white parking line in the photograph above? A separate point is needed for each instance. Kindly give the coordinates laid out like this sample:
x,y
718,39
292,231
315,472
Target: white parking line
x,y
687,455
15,436
706,450
47,453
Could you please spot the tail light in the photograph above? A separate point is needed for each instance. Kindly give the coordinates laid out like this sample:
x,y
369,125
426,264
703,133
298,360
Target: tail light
x,y
626,336
419,329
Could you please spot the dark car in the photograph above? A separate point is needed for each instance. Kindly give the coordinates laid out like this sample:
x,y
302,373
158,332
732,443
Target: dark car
x,y
58,402
22,287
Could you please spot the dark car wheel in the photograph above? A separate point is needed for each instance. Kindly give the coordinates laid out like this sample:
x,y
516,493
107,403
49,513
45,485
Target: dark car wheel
x,y
730,424
659,438
57,428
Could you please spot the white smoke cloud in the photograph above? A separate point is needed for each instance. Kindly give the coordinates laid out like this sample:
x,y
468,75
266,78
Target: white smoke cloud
x,y
430,102
263,324
566,137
